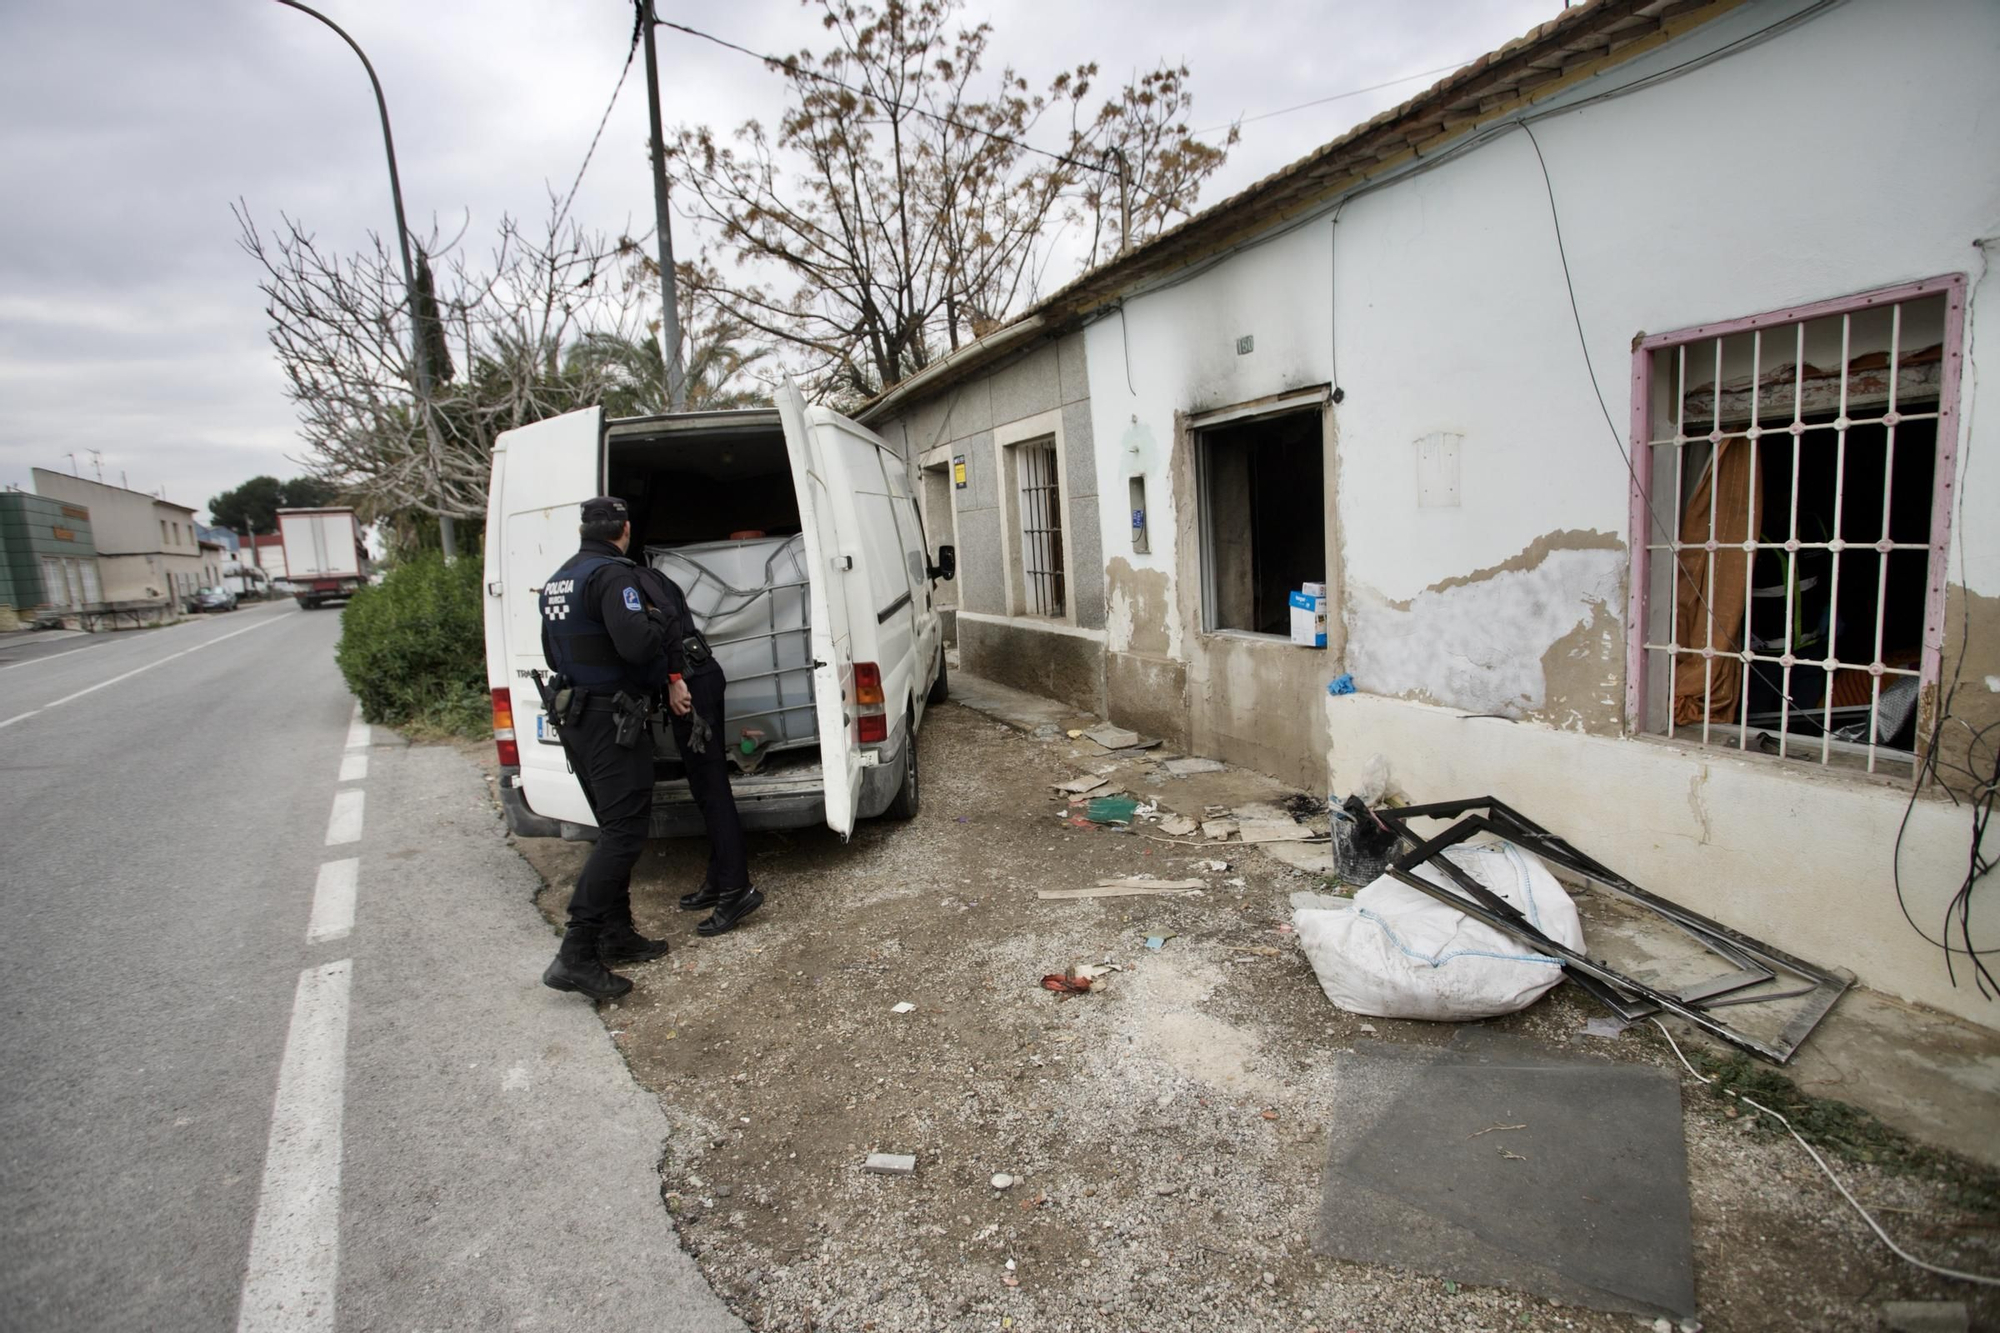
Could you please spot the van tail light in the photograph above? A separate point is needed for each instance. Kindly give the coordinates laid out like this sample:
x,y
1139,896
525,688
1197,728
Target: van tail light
x,y
871,722
503,728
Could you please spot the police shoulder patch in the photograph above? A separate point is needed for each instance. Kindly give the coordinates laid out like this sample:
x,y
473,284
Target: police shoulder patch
x,y
631,599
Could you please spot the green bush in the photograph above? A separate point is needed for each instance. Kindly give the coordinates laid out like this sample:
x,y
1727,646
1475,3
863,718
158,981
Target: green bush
x,y
413,648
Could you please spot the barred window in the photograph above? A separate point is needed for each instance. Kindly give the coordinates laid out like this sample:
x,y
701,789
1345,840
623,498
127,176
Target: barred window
x,y
1792,485
1041,535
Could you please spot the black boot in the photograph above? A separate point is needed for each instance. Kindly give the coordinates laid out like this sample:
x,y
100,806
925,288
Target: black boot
x,y
621,942
702,899
730,909
578,968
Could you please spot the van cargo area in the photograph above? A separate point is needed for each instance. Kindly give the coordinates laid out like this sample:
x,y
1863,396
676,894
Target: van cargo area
x,y
795,536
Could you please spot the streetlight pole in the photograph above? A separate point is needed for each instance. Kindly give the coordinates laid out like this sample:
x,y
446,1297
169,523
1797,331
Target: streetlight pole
x,y
663,223
447,535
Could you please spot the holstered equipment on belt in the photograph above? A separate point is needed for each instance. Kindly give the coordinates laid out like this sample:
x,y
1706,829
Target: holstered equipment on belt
x,y
628,714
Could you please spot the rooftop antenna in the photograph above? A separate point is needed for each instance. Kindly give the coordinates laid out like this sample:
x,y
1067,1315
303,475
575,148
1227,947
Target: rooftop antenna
x,y
123,480
71,456
97,462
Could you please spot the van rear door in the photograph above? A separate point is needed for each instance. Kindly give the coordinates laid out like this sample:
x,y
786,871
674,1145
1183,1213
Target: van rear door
x,y
830,528
550,469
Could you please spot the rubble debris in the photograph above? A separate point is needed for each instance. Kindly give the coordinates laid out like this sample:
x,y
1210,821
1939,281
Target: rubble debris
x,y
1124,888
1212,867
1926,1316
1063,984
1156,942
1078,786
904,1008
1363,843
1181,768
1180,826
1111,810
1604,1027
1112,737
1001,1180
1218,830
1341,684
1276,830
890,1163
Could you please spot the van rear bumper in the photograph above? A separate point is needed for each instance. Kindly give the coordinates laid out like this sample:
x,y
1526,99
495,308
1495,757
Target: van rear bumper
x,y
762,803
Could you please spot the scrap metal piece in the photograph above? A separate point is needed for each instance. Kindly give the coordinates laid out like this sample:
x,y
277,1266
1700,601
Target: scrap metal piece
x,y
1752,961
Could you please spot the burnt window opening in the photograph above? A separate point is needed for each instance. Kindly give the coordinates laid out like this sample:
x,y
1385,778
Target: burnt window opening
x,y
1262,504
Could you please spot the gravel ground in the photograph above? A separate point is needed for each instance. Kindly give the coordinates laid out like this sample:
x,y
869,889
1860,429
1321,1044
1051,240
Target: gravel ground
x,y
1165,1135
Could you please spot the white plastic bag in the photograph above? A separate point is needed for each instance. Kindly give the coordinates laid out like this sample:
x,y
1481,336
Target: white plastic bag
x,y
1399,953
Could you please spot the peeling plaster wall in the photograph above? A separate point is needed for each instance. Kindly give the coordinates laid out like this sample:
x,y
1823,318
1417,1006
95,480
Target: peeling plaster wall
x,y
1483,643
1452,315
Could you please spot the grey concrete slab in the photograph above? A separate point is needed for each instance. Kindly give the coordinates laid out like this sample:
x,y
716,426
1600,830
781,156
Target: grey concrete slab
x,y
1078,451
1086,562
1500,1163
1074,368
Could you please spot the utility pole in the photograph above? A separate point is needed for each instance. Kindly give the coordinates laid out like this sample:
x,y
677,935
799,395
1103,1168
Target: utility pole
x,y
1124,203
447,533
670,324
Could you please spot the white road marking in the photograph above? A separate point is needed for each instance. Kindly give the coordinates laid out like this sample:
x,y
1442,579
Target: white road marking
x,y
357,731
288,1286
50,657
333,901
162,661
354,766
345,823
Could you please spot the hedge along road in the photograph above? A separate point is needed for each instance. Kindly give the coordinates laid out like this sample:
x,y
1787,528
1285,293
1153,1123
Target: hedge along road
x,y
274,1026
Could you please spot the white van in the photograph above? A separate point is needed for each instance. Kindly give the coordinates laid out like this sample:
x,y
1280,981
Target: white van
x,y
855,646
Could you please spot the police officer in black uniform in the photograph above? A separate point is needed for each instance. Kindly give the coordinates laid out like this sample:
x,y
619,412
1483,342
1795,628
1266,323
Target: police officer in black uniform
x,y
614,657
695,708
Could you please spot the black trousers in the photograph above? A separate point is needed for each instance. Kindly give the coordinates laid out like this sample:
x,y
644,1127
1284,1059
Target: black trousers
x,y
621,785
708,783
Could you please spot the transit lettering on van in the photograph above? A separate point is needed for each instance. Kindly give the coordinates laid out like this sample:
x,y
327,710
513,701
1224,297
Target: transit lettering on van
x,y
796,536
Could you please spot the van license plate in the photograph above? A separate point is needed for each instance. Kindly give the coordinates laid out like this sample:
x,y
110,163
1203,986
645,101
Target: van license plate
x,y
545,733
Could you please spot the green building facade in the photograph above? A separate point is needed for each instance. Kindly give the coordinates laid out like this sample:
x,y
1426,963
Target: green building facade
x,y
47,555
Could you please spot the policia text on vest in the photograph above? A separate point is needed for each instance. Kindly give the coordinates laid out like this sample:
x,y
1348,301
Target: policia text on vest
x,y
617,637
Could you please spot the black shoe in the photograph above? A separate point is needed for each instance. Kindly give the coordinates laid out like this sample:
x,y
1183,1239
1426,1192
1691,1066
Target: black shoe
x,y
578,968
621,943
702,899
730,911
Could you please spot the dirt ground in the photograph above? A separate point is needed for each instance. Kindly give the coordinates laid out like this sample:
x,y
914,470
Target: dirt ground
x,y
1165,1136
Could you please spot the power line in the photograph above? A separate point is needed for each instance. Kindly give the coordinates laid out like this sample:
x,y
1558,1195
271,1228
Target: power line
x,y
603,120
1333,97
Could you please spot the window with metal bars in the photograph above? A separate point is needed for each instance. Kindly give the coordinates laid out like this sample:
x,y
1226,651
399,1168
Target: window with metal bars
x,y
1792,488
1040,518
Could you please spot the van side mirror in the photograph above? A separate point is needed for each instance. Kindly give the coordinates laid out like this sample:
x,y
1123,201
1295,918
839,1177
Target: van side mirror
x,y
947,563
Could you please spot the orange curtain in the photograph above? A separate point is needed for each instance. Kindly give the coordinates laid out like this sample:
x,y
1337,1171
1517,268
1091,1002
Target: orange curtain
x,y
1709,609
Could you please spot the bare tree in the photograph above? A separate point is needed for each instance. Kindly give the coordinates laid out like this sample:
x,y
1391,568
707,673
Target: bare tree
x,y
898,206
550,320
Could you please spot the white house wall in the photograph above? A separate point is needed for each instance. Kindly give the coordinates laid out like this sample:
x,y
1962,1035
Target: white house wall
x,y
1852,152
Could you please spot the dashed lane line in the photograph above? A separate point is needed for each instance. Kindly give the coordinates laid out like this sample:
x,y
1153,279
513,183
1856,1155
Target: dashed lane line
x,y
354,766
160,661
288,1284
344,825
333,901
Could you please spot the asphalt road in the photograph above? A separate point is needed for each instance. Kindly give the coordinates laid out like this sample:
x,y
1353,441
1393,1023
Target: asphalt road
x,y
274,1052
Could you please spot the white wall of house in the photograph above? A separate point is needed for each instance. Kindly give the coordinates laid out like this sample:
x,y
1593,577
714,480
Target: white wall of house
x,y
1852,152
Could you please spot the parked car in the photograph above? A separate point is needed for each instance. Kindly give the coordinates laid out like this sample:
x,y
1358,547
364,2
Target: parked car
x,y
212,599
795,535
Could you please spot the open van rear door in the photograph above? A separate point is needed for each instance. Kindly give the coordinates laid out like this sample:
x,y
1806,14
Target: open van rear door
x,y
545,473
829,525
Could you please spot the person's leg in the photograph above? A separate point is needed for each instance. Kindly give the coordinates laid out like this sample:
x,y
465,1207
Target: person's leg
x,y
704,896
621,780
729,858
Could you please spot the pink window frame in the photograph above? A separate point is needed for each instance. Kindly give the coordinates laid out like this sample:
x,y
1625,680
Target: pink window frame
x,y
1638,599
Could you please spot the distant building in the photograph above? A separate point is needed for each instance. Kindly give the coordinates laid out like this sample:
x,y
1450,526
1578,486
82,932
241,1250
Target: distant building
x,y
147,551
48,560
223,537
267,552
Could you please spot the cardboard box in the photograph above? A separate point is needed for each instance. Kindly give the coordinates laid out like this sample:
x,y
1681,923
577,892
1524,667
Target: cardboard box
x,y
1308,620
1314,590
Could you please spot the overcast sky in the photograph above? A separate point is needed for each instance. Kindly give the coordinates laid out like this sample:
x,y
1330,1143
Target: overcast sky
x,y
130,322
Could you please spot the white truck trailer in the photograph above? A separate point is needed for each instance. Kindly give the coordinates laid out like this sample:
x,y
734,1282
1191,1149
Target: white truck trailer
x,y
324,558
